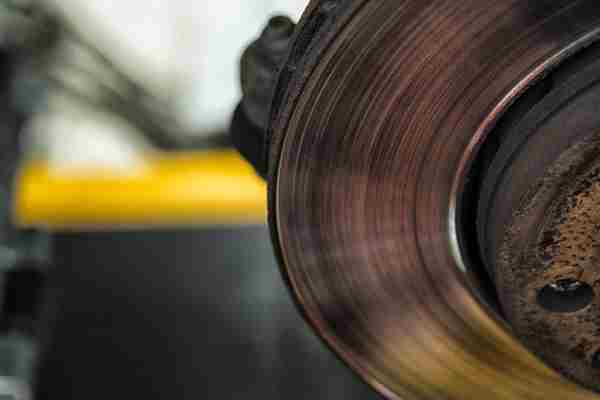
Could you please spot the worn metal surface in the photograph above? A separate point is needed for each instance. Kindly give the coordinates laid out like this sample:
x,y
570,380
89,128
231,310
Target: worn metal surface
x,y
548,272
536,217
370,149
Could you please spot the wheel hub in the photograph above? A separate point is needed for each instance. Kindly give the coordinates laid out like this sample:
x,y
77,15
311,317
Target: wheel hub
x,y
539,218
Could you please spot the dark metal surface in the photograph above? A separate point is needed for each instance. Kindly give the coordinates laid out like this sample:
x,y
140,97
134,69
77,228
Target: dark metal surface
x,y
260,66
371,146
188,314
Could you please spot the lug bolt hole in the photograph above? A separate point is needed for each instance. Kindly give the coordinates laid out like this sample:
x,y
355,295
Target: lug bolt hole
x,y
566,296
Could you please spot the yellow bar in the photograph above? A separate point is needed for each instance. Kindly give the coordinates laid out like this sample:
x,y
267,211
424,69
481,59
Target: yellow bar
x,y
173,189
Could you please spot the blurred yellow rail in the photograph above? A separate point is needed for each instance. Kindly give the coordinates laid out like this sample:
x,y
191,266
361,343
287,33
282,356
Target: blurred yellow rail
x,y
173,189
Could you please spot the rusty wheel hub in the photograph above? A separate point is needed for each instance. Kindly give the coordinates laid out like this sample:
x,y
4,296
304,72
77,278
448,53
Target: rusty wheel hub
x,y
539,218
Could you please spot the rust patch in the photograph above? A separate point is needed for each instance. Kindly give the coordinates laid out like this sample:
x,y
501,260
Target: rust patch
x,y
553,243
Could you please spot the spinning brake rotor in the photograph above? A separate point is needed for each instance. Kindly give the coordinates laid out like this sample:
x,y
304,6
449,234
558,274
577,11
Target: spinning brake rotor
x,y
434,173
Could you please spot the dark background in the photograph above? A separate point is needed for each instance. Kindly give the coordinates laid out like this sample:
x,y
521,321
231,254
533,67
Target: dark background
x,y
183,314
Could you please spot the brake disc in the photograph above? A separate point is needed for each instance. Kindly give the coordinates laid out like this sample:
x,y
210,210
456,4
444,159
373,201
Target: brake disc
x,y
433,170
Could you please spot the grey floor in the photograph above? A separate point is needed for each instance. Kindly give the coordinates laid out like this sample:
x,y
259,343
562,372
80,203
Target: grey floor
x,y
190,314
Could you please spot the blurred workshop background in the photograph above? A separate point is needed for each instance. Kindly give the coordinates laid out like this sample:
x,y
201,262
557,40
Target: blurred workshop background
x,y
131,269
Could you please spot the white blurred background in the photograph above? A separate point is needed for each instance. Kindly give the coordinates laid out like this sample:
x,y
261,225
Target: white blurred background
x,y
185,51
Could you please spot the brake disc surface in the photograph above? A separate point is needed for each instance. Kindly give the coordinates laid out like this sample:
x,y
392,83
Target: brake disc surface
x,y
380,113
